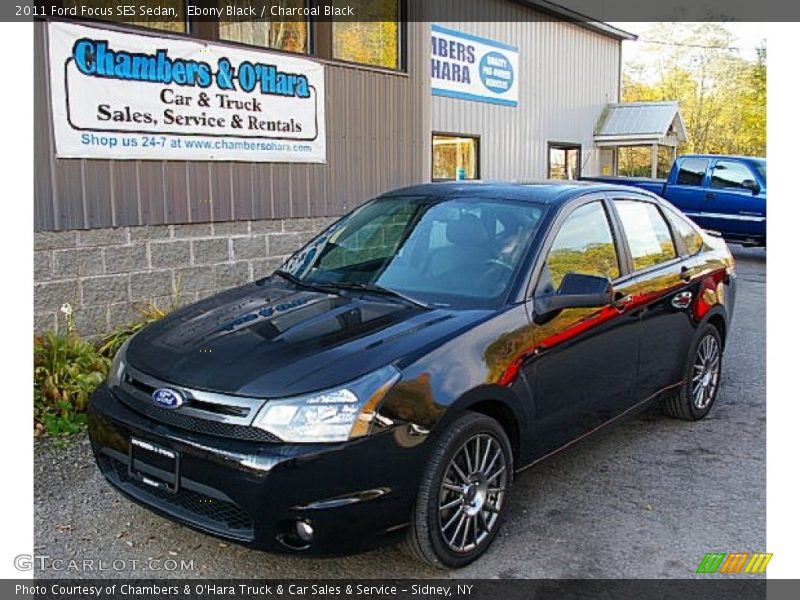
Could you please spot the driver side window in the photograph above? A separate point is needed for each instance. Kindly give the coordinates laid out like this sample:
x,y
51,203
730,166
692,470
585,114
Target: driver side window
x,y
583,245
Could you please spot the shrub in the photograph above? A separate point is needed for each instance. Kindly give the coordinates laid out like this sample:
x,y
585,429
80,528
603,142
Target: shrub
x,y
112,342
66,370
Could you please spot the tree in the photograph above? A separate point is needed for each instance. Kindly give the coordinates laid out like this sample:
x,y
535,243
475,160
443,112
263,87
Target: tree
x,y
722,95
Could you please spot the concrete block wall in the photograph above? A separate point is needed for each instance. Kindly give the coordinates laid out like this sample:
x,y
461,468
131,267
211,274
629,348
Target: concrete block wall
x,y
107,274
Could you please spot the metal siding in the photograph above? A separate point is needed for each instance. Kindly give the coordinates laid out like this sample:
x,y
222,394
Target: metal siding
x,y
241,186
281,191
567,75
199,198
263,199
68,189
43,143
149,177
126,201
176,198
97,191
377,127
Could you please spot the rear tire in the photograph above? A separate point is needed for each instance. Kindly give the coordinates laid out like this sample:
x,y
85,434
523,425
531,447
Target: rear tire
x,y
462,496
702,378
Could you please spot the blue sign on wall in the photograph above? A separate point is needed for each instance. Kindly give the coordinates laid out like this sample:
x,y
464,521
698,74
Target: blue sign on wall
x,y
470,67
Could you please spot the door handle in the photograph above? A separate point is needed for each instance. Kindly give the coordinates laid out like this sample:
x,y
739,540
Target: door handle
x,y
710,195
622,302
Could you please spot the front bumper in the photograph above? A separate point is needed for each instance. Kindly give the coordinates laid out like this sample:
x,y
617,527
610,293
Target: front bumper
x,y
356,495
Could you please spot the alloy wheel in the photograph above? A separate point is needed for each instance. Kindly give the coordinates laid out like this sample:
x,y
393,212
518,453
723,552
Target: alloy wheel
x,y
705,374
472,493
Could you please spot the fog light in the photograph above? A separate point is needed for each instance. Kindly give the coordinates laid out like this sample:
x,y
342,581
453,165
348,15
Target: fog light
x,y
304,531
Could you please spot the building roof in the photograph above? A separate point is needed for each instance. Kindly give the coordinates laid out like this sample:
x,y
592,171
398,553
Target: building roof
x,y
640,122
567,14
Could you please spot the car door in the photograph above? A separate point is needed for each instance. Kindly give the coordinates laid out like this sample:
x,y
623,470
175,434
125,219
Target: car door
x,y
731,206
663,291
582,370
687,191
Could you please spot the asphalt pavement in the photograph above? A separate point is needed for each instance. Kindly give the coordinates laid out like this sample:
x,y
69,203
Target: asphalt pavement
x,y
646,498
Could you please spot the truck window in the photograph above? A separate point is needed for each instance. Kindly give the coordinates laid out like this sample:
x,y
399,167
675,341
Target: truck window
x,y
729,174
761,167
692,171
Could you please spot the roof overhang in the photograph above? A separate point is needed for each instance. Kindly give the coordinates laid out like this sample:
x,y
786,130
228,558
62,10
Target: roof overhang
x,y
640,124
566,14
635,140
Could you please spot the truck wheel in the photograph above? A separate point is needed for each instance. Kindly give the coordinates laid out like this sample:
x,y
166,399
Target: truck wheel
x,y
462,497
696,396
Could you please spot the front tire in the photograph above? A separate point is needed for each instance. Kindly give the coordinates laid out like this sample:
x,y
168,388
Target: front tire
x,y
701,380
462,497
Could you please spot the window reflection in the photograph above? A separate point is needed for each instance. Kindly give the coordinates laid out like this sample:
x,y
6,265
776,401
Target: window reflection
x,y
374,40
584,245
111,8
454,157
648,235
291,36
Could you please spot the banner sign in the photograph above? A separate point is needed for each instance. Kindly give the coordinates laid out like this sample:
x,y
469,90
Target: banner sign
x,y
469,67
120,95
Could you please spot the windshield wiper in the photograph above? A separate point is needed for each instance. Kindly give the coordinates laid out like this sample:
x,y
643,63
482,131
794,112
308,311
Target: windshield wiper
x,y
378,289
330,286
300,283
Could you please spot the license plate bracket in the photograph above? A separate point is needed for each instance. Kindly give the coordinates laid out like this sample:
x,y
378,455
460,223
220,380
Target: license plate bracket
x,y
153,465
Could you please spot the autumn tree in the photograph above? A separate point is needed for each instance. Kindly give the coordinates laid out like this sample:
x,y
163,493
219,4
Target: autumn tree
x,y
722,95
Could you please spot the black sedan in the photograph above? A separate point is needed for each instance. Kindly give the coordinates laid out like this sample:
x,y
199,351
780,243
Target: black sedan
x,y
397,373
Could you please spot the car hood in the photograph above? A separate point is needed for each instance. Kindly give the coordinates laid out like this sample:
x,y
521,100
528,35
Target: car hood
x,y
274,339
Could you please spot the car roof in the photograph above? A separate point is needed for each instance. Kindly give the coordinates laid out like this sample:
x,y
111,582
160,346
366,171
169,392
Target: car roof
x,y
734,156
553,192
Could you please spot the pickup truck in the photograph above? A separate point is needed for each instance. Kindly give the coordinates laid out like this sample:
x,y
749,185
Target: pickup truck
x,y
726,194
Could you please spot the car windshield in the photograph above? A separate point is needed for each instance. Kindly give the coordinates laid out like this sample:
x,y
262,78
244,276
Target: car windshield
x,y
451,251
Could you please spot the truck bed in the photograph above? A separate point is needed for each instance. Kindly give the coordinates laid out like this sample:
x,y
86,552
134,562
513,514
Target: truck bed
x,y
646,183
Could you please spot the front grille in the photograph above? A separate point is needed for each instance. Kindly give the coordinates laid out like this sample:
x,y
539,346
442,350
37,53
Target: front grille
x,y
212,409
206,426
220,515
204,412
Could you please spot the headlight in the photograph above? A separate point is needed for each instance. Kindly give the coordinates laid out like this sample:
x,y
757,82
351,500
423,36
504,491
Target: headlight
x,y
117,369
334,415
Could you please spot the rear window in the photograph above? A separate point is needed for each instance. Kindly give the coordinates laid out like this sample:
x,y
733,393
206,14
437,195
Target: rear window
x,y
686,231
692,170
649,238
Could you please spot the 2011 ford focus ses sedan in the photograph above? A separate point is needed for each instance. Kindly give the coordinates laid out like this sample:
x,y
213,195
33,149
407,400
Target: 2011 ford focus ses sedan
x,y
393,377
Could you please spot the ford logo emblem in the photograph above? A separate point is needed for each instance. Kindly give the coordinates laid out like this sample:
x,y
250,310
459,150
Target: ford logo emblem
x,y
168,398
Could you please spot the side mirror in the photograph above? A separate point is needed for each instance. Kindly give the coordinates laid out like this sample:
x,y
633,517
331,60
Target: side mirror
x,y
752,185
576,291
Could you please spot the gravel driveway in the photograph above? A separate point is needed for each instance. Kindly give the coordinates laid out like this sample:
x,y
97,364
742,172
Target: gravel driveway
x,y
647,498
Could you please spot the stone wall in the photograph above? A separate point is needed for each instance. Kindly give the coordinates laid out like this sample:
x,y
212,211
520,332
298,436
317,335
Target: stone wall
x,y
106,274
